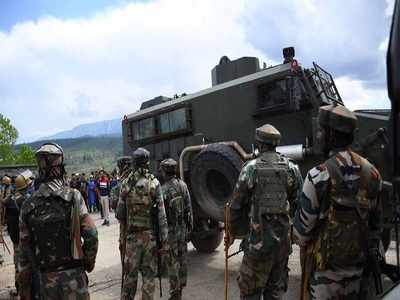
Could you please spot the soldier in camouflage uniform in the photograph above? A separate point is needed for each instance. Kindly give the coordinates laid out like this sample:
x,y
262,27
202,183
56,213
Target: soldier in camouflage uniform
x,y
179,216
265,188
52,224
124,163
5,193
12,206
140,205
339,215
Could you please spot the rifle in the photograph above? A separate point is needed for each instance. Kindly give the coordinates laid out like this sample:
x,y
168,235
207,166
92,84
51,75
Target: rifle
x,y
374,260
158,242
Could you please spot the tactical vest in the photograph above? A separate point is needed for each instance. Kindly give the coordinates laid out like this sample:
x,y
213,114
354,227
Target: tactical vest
x,y
49,222
269,213
270,194
343,238
139,205
174,204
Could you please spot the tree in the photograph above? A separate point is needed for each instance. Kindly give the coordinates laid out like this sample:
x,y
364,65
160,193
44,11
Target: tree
x,y
8,133
25,155
8,137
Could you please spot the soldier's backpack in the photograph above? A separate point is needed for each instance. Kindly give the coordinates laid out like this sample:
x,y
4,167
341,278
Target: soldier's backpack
x,y
343,238
49,220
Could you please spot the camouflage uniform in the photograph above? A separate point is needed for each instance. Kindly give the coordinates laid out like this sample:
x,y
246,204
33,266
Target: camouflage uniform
x,y
338,219
124,166
265,188
13,206
52,225
140,194
5,193
179,215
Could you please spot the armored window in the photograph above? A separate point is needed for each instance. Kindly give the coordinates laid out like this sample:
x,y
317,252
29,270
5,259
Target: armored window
x,y
273,94
173,121
281,95
143,129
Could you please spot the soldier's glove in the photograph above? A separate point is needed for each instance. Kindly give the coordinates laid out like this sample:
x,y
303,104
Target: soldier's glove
x,y
88,266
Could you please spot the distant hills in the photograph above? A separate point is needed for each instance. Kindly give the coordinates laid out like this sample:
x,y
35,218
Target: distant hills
x,y
102,128
86,154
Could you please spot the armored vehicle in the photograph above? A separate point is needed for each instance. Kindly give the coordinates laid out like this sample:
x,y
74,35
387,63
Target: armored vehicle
x,y
211,132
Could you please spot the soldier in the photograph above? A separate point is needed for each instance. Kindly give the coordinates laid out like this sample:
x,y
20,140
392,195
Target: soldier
x,y
5,194
52,225
179,216
265,188
339,212
124,163
12,206
140,200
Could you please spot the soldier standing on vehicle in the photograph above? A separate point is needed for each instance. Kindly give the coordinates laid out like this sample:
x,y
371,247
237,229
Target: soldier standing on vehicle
x,y
124,166
339,215
12,207
265,188
52,224
179,216
141,206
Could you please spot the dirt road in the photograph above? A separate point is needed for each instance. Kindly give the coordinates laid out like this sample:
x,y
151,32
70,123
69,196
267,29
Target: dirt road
x,y
206,271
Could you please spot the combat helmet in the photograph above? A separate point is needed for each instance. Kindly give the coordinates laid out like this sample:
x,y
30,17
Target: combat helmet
x,y
337,117
6,180
268,134
50,156
21,183
140,157
169,166
124,161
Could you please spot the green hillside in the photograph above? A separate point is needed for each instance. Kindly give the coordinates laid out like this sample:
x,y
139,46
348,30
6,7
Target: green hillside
x,y
87,154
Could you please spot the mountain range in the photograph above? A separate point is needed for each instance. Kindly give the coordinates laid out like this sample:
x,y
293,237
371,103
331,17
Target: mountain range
x,y
101,128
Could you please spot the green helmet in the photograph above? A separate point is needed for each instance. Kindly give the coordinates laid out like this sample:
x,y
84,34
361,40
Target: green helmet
x,y
50,159
268,134
140,157
169,166
124,161
337,117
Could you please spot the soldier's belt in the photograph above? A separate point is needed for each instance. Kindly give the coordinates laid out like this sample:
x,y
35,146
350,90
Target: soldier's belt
x,y
138,229
62,267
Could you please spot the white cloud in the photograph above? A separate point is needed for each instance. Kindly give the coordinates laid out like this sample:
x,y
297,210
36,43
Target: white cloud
x,y
389,8
56,74
356,95
74,71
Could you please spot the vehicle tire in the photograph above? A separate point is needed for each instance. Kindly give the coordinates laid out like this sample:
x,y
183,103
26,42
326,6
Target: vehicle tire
x,y
208,241
214,172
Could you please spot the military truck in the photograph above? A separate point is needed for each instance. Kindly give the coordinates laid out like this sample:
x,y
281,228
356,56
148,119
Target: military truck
x,y
211,132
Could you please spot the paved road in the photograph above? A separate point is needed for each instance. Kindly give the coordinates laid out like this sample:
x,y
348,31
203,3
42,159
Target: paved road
x,y
206,271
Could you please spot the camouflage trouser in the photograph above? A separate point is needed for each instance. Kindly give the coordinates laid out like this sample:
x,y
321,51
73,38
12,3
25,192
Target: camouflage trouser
x,y
329,285
140,256
183,264
69,284
15,257
267,275
122,241
173,272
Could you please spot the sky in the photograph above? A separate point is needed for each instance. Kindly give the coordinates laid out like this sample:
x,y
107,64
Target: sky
x,y
65,63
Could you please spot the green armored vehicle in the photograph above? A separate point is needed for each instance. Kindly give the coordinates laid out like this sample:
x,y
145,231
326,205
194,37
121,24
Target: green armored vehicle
x,y
211,132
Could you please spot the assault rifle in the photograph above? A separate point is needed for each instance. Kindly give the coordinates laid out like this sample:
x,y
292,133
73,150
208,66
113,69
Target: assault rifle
x,y
156,225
